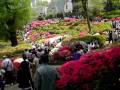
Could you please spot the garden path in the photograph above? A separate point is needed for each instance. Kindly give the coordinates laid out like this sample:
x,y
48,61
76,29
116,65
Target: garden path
x,y
15,87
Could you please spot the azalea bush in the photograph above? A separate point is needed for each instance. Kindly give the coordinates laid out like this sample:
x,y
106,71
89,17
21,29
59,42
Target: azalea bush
x,y
94,71
69,26
86,38
38,23
61,56
71,19
100,38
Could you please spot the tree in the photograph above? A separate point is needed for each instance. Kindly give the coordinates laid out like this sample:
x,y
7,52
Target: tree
x,y
14,14
76,7
109,5
112,8
85,8
97,7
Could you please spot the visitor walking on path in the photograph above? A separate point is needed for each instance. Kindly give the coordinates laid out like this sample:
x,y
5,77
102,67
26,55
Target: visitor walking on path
x,y
23,76
110,36
7,65
45,75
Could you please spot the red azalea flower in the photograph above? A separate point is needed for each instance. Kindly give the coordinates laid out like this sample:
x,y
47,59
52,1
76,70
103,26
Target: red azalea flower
x,y
90,65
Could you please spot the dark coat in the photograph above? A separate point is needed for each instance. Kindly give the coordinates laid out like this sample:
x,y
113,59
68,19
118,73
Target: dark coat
x,y
24,76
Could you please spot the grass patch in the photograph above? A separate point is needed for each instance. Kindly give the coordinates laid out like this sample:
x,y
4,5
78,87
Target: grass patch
x,y
12,51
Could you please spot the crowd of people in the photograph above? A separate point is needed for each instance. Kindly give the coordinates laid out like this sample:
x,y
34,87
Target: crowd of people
x,y
113,35
33,73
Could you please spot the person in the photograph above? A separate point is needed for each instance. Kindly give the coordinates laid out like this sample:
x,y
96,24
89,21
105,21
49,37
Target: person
x,y
110,36
30,56
78,52
115,35
45,76
34,65
90,46
95,44
7,65
113,23
23,75
2,72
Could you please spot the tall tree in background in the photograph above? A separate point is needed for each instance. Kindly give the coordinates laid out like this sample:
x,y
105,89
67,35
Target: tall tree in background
x,y
109,5
112,8
76,7
85,8
97,7
14,14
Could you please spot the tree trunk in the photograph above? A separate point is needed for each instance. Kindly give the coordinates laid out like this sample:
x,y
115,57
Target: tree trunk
x,y
12,32
85,7
13,38
88,21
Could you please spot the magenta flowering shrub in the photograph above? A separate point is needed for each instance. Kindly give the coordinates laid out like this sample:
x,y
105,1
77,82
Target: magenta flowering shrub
x,y
42,23
64,51
63,54
34,36
71,19
95,66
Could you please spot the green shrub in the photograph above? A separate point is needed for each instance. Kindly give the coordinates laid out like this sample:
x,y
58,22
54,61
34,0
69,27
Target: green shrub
x,y
112,14
76,23
71,27
69,23
89,38
101,39
60,15
49,16
13,51
40,17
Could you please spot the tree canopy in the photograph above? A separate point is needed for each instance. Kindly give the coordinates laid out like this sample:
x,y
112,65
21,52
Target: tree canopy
x,y
14,14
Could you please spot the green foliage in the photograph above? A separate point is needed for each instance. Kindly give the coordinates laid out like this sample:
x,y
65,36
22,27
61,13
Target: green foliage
x,y
101,39
76,23
73,28
101,27
105,80
60,15
14,14
49,16
42,3
112,14
12,51
89,38
40,17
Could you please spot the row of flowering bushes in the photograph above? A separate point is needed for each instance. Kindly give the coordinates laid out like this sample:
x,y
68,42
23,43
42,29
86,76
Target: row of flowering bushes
x,y
97,70
42,23
71,19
